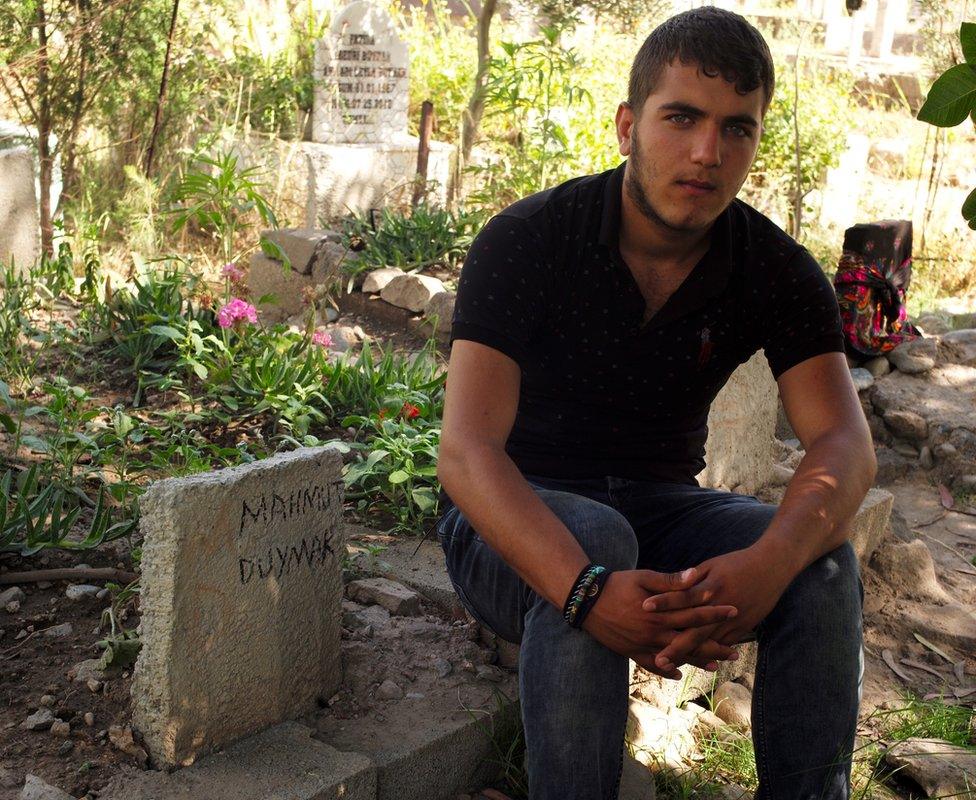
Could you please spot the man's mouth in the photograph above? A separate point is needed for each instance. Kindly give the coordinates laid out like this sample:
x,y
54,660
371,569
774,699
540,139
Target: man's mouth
x,y
703,186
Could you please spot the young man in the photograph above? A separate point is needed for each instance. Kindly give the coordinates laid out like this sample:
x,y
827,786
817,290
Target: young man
x,y
595,323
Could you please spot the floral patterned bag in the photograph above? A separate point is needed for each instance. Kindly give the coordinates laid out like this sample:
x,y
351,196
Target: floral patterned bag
x,y
871,283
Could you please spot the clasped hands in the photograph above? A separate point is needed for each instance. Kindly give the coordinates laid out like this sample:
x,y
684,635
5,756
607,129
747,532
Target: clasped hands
x,y
664,620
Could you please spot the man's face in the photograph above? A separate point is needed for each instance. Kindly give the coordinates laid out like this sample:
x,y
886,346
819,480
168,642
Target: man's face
x,y
690,149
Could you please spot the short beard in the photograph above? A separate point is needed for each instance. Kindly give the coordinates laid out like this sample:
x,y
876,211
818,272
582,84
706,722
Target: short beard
x,y
637,194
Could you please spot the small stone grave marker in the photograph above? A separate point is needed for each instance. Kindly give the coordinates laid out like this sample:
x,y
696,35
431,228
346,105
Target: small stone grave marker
x,y
241,601
361,70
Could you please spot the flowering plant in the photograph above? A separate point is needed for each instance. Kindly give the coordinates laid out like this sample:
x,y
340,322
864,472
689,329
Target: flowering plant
x,y
233,273
321,338
236,311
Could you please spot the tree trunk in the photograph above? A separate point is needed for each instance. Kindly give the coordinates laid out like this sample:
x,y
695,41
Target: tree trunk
x,y
476,105
44,132
161,97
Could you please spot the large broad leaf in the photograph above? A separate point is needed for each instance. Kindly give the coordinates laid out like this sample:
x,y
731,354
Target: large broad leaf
x,y
969,207
951,98
967,35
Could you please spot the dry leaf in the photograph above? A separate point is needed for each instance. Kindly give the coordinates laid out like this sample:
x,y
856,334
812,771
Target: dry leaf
x,y
933,648
946,496
960,693
889,659
924,667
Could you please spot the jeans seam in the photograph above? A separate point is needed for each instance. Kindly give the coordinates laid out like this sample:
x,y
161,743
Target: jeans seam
x,y
762,753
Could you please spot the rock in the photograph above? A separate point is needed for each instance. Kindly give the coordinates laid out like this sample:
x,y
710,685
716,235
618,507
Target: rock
x,y
12,607
925,458
710,720
121,739
946,452
360,618
11,595
877,366
907,424
102,593
89,719
47,701
40,720
862,379
942,769
80,591
933,324
906,450
412,292
389,690
490,673
908,568
782,475
66,747
394,597
905,360
660,737
60,728
891,466
441,309
84,671
960,347
94,686
299,245
732,703
443,667
59,631
37,789
377,279
966,483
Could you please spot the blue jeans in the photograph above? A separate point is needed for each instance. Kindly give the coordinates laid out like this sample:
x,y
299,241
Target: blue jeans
x,y
574,691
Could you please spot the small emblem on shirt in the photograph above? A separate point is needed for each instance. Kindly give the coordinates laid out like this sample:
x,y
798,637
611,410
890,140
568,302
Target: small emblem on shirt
x,y
705,352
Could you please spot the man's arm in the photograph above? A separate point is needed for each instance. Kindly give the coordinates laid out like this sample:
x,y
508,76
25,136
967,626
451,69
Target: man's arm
x,y
824,494
479,411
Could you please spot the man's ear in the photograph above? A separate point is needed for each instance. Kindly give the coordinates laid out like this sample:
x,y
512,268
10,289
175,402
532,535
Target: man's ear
x,y
624,121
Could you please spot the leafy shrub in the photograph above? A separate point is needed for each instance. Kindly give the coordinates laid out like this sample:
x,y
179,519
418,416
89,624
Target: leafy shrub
x,y
411,241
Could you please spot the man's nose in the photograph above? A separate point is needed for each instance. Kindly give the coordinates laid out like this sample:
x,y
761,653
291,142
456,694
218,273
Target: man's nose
x,y
707,149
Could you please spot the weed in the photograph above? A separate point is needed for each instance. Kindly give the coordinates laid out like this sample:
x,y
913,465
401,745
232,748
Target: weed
x,y
928,719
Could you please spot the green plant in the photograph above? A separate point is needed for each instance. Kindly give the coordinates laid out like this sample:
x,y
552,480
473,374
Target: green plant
x,y
506,736
531,88
122,645
219,196
952,99
396,473
411,241
33,518
928,719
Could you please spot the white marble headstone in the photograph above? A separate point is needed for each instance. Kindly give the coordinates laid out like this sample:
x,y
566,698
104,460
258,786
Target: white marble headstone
x,y
361,91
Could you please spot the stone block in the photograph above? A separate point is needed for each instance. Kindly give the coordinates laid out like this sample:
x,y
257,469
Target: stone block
x,y
269,277
241,595
283,763
870,523
19,220
394,597
377,279
413,292
739,453
300,244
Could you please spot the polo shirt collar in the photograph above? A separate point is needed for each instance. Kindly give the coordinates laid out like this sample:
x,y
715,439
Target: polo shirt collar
x,y
711,274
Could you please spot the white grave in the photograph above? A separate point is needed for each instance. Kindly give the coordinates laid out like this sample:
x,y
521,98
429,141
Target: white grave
x,y
19,221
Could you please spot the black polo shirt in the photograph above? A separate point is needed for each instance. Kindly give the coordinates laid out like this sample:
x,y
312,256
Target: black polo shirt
x,y
602,394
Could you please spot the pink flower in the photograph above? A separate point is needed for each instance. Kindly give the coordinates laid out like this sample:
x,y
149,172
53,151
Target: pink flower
x,y
321,338
233,273
236,311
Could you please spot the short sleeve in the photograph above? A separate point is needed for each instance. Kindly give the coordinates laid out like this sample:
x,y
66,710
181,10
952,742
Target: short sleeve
x,y
501,290
802,319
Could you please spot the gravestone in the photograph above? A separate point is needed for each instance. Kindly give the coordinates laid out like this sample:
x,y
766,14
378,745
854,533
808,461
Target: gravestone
x,y
19,221
241,599
361,70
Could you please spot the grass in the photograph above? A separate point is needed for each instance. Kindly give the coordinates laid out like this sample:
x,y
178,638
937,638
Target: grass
x,y
928,719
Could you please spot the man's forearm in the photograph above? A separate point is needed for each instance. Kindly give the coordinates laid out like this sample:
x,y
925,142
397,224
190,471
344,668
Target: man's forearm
x,y
489,490
821,499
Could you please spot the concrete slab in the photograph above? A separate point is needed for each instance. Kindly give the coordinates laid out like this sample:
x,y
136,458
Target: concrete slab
x,y
241,601
19,221
870,524
282,763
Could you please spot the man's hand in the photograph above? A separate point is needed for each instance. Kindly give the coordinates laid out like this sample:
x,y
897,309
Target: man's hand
x,y
619,622
744,579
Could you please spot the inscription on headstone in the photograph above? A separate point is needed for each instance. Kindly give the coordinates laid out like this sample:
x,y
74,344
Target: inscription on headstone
x,y
361,67
241,601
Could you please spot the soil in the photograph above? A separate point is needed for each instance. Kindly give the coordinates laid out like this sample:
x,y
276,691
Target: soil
x,y
931,595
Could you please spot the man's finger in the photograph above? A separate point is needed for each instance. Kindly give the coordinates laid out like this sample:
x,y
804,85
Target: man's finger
x,y
683,645
669,581
687,598
694,617
647,662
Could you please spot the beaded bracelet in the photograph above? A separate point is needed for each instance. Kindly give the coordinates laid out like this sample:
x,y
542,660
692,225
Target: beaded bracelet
x,y
592,595
586,587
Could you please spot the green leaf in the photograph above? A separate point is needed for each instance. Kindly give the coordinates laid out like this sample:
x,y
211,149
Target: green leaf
x,y
199,369
969,206
951,98
274,250
8,424
36,444
967,35
167,331
398,476
268,299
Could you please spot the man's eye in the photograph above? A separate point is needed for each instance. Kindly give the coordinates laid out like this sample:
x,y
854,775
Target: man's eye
x,y
739,131
681,119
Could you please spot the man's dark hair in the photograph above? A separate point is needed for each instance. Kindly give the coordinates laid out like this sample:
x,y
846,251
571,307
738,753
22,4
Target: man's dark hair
x,y
718,41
